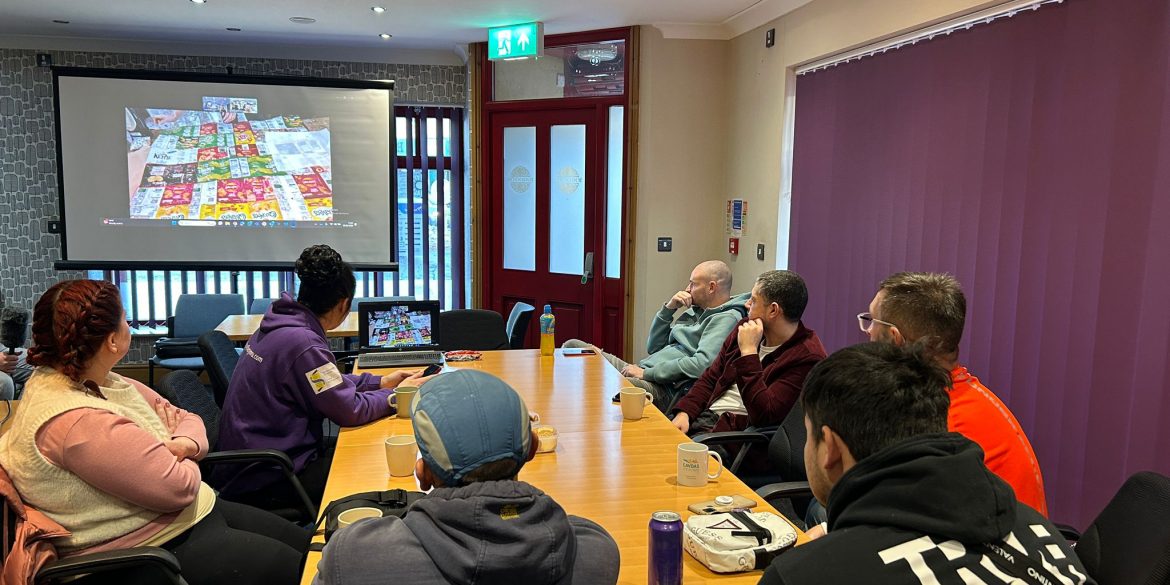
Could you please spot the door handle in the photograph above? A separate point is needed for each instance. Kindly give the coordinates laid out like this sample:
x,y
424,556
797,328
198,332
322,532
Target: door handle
x,y
587,272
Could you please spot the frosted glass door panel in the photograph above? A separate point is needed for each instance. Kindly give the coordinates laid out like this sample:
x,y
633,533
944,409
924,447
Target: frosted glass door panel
x,y
566,254
613,192
520,198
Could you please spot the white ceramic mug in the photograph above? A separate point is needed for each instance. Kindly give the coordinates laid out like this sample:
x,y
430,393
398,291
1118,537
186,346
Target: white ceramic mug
x,y
401,452
403,398
354,514
634,401
693,464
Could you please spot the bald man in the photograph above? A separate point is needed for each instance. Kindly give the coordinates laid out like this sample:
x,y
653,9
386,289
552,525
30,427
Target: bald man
x,y
682,346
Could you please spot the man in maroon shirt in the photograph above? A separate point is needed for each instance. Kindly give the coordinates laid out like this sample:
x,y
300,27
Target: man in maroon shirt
x,y
757,376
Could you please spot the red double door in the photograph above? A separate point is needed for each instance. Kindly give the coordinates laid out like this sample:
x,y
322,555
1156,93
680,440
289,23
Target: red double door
x,y
546,238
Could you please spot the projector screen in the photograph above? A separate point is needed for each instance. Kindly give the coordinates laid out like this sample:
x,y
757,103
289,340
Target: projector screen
x,y
175,170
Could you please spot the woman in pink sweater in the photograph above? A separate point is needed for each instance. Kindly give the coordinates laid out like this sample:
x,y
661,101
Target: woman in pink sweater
x,y
115,463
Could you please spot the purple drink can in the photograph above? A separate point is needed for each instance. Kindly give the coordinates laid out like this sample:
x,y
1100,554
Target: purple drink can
x,y
666,549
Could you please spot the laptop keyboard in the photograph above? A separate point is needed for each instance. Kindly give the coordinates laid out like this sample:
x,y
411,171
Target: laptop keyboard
x,y
400,358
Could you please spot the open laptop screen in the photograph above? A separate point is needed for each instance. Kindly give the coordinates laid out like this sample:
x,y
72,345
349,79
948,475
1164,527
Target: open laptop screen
x,y
398,325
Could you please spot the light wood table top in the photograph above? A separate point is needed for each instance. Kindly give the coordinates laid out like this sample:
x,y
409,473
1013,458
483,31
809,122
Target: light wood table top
x,y
606,469
241,327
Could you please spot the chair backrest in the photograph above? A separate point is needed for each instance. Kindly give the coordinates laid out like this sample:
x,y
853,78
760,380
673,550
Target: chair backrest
x,y
198,314
259,306
353,305
1129,542
786,451
191,395
517,328
220,358
476,329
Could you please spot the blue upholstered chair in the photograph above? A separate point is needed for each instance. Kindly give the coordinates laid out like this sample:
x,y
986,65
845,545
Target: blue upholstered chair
x,y
194,316
259,306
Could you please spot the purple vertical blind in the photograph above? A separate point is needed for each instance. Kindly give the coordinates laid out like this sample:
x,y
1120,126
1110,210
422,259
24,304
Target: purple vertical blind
x,y
1029,157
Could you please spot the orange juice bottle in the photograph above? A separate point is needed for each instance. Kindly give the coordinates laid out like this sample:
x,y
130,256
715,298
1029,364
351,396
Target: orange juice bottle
x,y
547,326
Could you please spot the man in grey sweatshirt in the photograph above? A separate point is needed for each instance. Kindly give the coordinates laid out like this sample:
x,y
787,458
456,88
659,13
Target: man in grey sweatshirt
x,y
479,524
680,349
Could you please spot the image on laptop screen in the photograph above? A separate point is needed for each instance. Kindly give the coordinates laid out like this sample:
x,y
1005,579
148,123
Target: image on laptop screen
x,y
400,326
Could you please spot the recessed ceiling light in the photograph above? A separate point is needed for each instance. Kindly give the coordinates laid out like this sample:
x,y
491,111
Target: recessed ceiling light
x,y
61,21
385,36
199,1
233,29
302,20
377,9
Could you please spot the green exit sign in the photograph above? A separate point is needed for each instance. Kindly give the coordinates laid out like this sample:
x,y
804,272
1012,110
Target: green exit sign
x,y
516,41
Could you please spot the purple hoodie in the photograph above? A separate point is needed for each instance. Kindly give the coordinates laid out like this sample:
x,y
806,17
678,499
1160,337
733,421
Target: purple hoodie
x,y
285,385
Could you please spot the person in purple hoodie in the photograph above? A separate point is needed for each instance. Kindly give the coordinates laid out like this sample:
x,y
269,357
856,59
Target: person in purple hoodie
x,y
287,383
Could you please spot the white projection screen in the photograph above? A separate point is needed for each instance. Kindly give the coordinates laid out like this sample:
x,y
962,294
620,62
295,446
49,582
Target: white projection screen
x,y
186,170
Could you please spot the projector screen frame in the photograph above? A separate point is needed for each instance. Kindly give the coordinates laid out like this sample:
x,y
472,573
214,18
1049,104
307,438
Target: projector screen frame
x,y
205,77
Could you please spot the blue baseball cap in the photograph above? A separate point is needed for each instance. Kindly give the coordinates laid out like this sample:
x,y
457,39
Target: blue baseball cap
x,y
467,418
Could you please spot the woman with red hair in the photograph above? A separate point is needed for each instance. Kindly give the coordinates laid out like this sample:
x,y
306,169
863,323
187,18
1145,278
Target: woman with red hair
x,y
115,464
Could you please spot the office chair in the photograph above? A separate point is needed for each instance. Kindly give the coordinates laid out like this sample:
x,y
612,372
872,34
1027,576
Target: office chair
x,y
191,395
475,329
220,357
19,535
194,316
259,306
517,327
1129,541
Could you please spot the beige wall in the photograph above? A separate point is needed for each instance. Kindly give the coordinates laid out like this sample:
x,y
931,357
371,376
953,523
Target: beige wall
x,y
681,141
700,98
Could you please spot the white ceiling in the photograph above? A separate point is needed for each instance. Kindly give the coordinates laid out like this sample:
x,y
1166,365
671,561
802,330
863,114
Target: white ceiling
x,y
439,25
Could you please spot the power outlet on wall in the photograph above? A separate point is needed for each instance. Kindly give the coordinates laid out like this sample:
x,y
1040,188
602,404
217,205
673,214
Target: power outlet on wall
x,y
54,226
770,37
664,244
760,252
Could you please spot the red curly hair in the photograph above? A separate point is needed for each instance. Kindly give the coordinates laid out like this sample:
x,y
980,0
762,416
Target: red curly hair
x,y
71,321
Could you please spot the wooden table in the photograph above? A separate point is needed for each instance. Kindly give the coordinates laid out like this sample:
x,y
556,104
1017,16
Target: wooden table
x,y
612,471
241,327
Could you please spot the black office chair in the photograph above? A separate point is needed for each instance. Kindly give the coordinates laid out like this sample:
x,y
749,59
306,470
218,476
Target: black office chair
x,y
784,483
184,389
475,329
194,315
159,562
220,358
517,327
1129,541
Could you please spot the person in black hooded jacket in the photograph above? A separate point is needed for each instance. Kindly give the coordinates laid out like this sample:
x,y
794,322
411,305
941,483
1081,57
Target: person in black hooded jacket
x,y
908,502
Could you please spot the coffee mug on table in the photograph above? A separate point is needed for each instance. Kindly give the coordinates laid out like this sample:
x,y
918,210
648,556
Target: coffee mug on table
x,y
354,514
634,401
403,397
401,452
693,464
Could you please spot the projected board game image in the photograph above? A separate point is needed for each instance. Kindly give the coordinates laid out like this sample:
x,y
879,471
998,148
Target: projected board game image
x,y
399,327
228,163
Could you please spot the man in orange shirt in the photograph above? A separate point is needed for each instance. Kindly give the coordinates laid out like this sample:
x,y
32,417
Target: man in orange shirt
x,y
930,308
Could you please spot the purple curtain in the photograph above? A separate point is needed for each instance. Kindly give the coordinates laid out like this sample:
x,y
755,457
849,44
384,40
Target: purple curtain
x,y
1029,157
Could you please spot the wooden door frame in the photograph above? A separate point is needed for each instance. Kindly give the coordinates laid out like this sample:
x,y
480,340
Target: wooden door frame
x,y
481,80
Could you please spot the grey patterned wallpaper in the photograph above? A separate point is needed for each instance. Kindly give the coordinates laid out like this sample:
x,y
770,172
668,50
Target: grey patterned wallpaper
x,y
28,166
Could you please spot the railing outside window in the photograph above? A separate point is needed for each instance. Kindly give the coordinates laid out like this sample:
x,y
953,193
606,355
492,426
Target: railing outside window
x,y
430,224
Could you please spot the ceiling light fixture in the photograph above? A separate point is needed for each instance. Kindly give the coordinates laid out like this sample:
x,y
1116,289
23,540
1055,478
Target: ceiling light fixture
x,y
61,21
234,29
198,1
597,54
377,9
302,20
385,36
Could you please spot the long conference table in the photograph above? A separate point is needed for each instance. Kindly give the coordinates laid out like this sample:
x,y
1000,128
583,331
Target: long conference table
x,y
610,470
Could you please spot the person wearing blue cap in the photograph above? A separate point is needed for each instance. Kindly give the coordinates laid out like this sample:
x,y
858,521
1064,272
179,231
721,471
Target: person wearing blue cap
x,y
479,524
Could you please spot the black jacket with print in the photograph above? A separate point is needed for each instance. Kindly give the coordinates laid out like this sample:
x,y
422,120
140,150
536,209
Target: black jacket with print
x,y
919,512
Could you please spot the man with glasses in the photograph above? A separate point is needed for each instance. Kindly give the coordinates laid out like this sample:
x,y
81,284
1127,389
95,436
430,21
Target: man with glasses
x,y
680,349
930,309
757,376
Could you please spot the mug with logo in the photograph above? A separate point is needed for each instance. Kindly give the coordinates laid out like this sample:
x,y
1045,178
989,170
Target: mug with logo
x,y
634,401
693,464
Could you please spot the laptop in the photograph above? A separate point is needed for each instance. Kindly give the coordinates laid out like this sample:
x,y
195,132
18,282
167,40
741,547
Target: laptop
x,y
398,334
